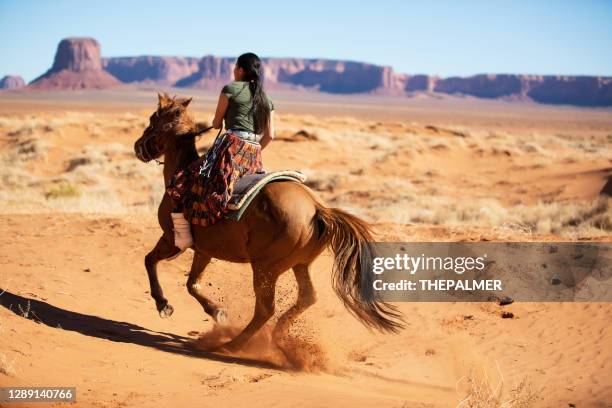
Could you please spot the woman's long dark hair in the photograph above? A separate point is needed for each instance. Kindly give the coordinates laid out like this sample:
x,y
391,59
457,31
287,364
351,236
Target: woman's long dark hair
x,y
251,64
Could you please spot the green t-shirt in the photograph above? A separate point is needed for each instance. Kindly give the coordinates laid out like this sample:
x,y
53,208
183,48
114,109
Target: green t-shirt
x,y
237,115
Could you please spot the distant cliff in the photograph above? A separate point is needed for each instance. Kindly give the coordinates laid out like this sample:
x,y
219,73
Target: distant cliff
x,y
572,90
210,71
78,65
347,77
162,70
333,76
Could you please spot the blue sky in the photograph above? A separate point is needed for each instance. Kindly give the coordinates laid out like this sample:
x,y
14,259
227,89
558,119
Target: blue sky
x,y
433,37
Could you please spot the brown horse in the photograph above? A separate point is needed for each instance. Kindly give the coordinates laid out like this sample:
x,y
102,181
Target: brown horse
x,y
284,227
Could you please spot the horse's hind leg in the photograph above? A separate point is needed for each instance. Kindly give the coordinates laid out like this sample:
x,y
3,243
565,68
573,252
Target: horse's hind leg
x,y
264,285
163,249
306,298
198,266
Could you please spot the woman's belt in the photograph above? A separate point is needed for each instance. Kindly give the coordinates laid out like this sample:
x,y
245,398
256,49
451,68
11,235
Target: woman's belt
x,y
246,135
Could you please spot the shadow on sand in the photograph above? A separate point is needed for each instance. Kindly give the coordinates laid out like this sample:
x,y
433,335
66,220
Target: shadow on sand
x,y
122,332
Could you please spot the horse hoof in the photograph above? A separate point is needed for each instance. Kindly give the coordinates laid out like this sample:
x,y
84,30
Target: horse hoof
x,y
166,311
221,317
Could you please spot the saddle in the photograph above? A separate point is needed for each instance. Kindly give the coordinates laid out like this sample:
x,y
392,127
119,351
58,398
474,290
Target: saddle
x,y
248,186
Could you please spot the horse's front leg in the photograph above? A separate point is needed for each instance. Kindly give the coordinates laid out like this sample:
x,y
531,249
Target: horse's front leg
x,y
200,261
163,250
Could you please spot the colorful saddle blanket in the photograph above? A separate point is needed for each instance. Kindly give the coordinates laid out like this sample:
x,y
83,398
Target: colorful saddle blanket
x,y
247,187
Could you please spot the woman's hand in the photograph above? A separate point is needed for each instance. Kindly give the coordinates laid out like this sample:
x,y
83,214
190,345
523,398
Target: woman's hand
x,y
220,112
268,135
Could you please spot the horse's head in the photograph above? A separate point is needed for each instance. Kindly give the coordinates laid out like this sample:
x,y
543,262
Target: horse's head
x,y
169,122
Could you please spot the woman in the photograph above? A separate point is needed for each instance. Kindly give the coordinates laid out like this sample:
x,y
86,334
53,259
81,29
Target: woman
x,y
201,192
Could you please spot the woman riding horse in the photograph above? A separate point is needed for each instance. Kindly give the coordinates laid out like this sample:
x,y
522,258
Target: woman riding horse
x,y
201,191
284,227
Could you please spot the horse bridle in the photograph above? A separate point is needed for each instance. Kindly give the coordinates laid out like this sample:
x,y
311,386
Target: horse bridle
x,y
187,137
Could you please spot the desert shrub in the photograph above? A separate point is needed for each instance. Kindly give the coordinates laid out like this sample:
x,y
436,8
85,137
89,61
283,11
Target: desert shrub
x,y
7,367
62,190
482,394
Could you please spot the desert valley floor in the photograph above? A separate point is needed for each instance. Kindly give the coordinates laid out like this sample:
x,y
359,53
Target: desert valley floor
x,y
77,216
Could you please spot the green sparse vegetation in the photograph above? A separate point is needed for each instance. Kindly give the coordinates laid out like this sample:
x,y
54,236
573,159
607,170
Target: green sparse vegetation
x,y
62,190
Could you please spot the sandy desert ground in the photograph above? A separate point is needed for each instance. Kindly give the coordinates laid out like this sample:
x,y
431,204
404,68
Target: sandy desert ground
x,y
77,215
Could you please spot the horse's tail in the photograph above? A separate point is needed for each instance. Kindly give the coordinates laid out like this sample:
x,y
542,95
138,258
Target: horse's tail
x,y
349,238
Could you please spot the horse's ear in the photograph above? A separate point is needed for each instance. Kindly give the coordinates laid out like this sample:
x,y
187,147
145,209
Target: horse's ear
x,y
162,100
185,102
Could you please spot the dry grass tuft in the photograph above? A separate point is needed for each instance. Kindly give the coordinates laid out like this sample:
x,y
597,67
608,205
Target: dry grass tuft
x,y
62,190
7,367
24,311
323,183
482,394
572,219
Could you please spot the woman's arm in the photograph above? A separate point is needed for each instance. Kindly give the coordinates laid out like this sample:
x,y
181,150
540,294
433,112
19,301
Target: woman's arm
x,y
221,109
269,133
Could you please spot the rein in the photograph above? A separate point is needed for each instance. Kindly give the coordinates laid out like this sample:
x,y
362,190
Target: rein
x,y
190,135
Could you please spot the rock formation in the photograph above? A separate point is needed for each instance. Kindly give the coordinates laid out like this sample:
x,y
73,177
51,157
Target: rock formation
x,y
76,65
212,73
418,83
482,86
569,90
12,82
575,90
333,76
161,70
